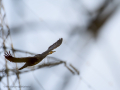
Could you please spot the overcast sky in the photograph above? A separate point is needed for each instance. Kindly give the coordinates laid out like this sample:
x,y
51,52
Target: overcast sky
x,y
36,24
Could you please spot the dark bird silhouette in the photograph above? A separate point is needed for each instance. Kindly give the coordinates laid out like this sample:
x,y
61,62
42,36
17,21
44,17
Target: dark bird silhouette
x,y
30,61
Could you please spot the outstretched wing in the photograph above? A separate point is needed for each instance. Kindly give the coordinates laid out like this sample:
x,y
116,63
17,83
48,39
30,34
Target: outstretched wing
x,y
24,66
55,45
9,57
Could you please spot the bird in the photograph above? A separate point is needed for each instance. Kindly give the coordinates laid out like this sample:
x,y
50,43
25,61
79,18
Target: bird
x,y
30,61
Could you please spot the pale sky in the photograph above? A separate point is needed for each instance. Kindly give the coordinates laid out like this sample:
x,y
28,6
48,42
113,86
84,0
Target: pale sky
x,y
39,23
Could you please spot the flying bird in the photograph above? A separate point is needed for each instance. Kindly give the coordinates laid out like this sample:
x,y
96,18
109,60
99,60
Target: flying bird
x,y
30,61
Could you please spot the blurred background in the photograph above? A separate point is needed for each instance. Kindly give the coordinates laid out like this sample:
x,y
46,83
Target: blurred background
x,y
91,43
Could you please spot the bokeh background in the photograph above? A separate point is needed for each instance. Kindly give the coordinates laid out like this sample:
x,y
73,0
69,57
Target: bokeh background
x,y
91,43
